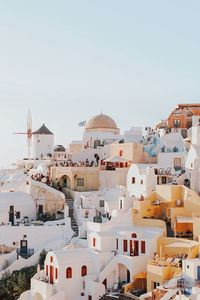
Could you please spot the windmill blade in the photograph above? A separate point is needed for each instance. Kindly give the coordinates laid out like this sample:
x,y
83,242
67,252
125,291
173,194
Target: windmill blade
x,y
20,132
29,121
29,131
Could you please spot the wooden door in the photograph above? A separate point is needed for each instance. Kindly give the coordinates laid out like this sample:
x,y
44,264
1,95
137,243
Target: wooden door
x,y
51,274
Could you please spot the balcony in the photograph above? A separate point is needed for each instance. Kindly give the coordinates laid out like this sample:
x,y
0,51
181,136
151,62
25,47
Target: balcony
x,y
25,254
164,268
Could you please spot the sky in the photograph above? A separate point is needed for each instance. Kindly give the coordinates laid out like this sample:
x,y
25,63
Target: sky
x,y
70,60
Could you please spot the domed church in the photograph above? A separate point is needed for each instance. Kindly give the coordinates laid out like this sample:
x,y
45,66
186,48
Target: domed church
x,y
102,123
99,131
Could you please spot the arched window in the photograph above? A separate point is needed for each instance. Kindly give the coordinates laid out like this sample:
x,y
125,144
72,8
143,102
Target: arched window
x,y
83,271
134,235
120,153
69,272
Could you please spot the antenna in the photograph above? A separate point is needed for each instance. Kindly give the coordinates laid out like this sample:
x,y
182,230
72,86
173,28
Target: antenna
x,y
29,131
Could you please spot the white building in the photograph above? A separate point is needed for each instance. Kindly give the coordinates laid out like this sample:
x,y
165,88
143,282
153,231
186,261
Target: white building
x,y
172,151
60,154
43,143
14,206
192,164
114,252
99,133
141,180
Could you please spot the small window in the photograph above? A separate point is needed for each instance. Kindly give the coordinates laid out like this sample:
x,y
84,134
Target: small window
x,y
134,235
120,153
191,165
177,123
69,272
101,203
133,180
80,181
51,259
117,244
18,215
142,246
141,181
188,266
83,271
56,275
94,242
46,270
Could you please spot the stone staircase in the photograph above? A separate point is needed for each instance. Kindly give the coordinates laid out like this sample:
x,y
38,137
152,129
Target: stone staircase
x,y
74,225
70,204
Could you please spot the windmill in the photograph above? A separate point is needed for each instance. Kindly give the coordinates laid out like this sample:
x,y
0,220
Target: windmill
x,y
29,132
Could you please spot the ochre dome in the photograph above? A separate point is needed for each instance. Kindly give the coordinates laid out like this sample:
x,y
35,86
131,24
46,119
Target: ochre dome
x,y
101,121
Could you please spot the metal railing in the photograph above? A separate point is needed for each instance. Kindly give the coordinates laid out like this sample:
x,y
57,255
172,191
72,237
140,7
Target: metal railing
x,y
25,254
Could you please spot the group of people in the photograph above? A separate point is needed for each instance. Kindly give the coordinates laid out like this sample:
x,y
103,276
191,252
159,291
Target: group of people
x,y
82,163
45,179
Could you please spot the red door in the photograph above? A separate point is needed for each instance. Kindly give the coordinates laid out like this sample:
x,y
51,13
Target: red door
x,y
136,252
131,248
51,274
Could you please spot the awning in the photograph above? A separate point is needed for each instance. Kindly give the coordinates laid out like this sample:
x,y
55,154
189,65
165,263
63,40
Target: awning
x,y
140,276
116,159
182,219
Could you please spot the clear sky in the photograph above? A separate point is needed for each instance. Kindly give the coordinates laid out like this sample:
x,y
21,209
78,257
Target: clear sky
x,y
69,60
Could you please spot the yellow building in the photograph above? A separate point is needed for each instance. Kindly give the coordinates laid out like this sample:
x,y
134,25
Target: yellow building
x,y
133,152
177,205
80,179
167,262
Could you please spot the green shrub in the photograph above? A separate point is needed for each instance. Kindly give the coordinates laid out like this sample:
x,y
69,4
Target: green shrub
x,y
13,285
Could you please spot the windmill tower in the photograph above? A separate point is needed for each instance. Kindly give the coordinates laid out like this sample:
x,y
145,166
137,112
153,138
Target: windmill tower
x,y
28,132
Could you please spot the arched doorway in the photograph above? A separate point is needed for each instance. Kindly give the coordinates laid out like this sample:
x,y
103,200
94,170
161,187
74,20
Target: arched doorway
x,y
65,182
37,296
123,274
